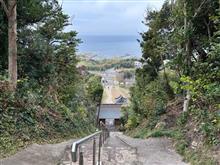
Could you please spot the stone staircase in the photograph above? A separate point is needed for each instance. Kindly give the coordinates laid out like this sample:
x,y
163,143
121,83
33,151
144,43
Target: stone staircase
x,y
122,150
118,152
87,149
113,152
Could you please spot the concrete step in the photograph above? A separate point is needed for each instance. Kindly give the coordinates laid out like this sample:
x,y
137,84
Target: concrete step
x,y
114,152
117,152
86,148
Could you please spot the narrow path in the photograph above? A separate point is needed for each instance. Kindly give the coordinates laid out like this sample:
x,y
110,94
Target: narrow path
x,y
107,98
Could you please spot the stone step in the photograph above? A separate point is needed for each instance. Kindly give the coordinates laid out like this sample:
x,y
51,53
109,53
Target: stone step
x,y
117,152
113,152
87,149
119,156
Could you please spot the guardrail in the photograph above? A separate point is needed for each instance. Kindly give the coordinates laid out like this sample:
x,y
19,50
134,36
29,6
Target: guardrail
x,y
77,150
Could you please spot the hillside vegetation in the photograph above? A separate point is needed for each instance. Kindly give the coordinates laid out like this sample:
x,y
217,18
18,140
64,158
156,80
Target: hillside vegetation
x,y
52,101
102,65
181,98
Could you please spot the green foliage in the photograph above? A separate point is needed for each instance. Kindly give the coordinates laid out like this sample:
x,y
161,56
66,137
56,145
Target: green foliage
x,y
102,65
95,89
132,122
51,102
147,101
31,115
196,157
161,133
182,120
181,52
141,134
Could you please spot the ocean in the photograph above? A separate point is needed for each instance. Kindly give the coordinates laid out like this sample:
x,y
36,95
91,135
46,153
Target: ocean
x,y
110,46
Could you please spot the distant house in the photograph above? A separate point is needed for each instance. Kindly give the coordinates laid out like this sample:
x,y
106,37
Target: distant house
x,y
138,64
121,100
130,82
110,115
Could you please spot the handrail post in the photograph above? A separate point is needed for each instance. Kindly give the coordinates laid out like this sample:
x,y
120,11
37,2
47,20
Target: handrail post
x,y
94,151
106,136
77,150
103,136
77,144
74,154
80,156
100,145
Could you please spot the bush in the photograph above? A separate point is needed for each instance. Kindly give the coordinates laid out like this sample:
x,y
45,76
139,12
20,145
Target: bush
x,y
31,115
148,102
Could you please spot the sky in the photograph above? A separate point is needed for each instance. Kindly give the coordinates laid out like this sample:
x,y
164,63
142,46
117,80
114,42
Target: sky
x,y
108,17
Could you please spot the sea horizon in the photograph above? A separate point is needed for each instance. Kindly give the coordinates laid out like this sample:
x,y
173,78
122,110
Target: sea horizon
x,y
109,46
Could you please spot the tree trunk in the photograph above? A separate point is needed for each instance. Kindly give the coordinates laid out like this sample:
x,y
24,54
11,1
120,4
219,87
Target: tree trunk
x,y
172,4
12,43
186,101
168,88
188,52
207,24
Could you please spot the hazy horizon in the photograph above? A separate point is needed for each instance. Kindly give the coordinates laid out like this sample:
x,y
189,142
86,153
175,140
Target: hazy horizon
x,y
108,27
106,46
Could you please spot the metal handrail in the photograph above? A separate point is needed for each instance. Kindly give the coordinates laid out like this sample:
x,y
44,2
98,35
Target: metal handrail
x,y
103,135
76,144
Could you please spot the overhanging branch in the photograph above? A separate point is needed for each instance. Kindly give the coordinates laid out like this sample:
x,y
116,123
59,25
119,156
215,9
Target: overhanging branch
x,y
199,9
11,8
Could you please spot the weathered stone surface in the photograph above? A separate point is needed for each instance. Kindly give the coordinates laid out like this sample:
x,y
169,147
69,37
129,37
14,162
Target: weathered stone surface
x,y
118,150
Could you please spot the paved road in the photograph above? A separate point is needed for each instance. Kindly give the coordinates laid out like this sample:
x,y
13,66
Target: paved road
x,y
107,95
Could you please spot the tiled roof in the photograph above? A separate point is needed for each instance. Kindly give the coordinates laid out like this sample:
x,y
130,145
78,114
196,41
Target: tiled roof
x,y
110,111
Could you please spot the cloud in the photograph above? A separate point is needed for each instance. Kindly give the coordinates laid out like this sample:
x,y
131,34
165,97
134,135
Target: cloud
x,y
108,17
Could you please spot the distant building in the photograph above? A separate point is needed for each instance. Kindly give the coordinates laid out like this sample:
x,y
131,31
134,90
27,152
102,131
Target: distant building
x,y
104,81
130,82
110,115
138,64
121,100
116,82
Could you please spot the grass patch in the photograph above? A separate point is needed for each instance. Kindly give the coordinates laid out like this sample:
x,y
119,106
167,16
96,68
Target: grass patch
x,y
198,156
161,133
146,133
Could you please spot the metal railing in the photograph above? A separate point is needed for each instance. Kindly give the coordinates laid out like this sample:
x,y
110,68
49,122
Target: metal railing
x,y
77,150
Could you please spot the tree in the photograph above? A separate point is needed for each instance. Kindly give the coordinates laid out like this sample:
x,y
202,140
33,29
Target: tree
x,y
193,12
95,89
180,33
95,92
188,52
11,12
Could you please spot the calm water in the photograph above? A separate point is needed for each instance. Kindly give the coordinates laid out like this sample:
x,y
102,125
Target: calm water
x,y
110,46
